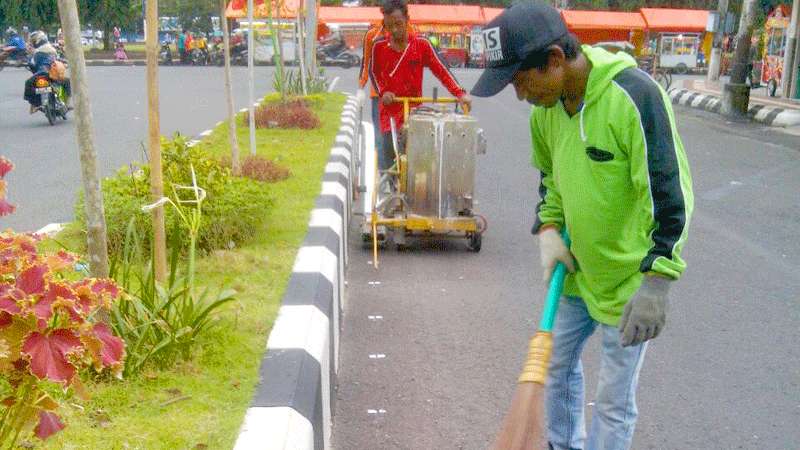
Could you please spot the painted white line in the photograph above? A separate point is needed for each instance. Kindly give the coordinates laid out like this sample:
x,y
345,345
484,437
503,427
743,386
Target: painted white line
x,y
192,143
243,110
275,428
375,317
376,411
50,229
316,259
374,283
218,124
332,86
348,122
377,356
206,133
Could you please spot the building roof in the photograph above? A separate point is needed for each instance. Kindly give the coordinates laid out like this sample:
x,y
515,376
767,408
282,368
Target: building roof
x,y
676,20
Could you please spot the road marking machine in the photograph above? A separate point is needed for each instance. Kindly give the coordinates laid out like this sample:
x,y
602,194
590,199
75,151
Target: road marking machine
x,y
429,190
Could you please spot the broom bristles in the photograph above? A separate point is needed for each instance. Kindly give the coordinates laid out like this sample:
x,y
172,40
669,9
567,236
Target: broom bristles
x,y
523,427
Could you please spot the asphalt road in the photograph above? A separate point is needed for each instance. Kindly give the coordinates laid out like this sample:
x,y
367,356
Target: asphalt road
x,y
454,325
47,177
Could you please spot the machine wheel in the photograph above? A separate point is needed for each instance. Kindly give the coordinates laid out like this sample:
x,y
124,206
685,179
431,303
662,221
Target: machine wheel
x,y
772,87
474,243
681,69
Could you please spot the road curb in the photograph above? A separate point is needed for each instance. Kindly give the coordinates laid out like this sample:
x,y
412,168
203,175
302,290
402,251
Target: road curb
x,y
114,62
768,115
293,403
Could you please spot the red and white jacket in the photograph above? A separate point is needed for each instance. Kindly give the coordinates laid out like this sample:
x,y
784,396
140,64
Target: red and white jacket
x,y
401,74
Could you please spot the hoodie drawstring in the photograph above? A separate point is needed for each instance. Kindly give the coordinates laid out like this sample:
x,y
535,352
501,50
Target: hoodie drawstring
x,y
583,134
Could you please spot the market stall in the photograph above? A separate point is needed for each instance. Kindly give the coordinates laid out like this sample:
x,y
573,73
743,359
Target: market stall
x,y
450,25
775,37
678,37
351,22
284,14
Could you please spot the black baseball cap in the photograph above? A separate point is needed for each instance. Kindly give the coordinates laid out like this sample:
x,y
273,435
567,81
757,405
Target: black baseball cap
x,y
513,35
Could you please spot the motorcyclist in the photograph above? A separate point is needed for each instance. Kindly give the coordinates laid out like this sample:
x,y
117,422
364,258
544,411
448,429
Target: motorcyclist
x,y
335,45
44,54
15,45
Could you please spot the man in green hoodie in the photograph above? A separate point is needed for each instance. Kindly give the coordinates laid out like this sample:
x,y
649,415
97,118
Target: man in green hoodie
x,y
614,175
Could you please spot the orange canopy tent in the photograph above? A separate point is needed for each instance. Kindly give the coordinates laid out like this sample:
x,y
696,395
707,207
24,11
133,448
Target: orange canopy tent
x,y
490,13
446,14
360,14
675,20
598,26
286,9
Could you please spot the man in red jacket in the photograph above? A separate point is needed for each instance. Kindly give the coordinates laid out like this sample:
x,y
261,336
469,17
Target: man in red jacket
x,y
396,67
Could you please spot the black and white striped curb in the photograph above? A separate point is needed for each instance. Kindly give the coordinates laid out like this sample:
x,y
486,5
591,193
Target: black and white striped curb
x,y
768,115
292,406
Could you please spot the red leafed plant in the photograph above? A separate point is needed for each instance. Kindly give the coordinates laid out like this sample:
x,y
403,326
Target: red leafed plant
x,y
5,167
49,332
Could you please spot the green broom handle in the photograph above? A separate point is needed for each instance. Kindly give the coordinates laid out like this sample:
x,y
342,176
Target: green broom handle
x,y
554,292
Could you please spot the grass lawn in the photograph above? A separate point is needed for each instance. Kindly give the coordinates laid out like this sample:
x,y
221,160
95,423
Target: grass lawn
x,y
201,403
134,51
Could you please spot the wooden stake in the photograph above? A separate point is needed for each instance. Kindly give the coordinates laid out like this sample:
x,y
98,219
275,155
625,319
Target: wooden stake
x,y
154,143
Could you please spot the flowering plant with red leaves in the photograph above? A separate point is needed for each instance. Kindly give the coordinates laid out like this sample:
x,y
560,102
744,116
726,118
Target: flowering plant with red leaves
x,y
49,332
5,167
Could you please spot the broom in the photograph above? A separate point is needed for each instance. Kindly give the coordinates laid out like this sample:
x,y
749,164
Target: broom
x,y
523,426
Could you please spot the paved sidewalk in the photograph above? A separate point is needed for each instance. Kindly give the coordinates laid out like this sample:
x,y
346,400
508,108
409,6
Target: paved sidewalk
x,y
758,96
776,112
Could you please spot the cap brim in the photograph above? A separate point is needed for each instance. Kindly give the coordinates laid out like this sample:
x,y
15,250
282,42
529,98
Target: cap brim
x,y
494,79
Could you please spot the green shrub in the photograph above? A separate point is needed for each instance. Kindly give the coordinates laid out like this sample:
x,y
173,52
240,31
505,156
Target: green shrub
x,y
233,212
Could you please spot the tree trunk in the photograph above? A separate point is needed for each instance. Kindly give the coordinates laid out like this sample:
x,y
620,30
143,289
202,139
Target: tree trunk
x,y
95,216
736,94
229,94
106,38
154,143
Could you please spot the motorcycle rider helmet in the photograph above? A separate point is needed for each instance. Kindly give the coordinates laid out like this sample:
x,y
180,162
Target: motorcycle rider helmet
x,y
11,32
38,38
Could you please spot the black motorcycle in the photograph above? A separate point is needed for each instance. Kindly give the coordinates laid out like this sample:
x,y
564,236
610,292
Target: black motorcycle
x,y
337,54
165,54
52,97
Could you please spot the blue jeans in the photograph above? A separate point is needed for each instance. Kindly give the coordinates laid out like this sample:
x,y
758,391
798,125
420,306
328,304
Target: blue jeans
x,y
614,412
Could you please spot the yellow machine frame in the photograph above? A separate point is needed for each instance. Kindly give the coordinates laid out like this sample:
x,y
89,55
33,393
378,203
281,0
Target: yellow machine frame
x,y
414,223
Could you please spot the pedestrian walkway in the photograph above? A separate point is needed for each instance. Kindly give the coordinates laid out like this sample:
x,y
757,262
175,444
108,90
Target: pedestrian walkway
x,y
776,112
758,96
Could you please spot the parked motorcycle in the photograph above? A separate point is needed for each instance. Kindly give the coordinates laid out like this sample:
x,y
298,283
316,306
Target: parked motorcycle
x,y
198,57
337,55
53,98
165,54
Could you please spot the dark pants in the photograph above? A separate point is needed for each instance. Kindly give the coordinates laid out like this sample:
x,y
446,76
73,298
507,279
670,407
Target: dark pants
x,y
30,90
386,154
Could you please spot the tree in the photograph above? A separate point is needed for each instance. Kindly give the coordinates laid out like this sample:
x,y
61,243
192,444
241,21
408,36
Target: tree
x,y
107,14
95,216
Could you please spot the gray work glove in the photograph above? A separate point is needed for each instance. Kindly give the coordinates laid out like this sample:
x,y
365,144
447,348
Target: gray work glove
x,y
552,251
646,313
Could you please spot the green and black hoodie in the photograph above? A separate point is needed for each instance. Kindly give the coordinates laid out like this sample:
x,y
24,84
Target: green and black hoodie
x,y
616,175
